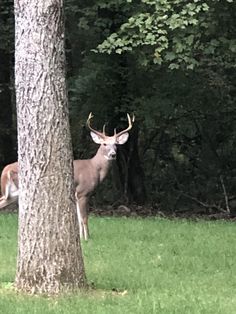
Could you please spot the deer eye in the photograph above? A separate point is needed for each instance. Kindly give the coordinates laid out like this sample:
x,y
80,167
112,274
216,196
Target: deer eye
x,y
105,144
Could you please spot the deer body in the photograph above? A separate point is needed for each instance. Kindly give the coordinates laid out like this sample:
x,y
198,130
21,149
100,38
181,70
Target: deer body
x,y
88,173
96,171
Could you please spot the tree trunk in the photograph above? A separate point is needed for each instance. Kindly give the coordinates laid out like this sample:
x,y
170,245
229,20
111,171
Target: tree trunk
x,y
130,169
49,252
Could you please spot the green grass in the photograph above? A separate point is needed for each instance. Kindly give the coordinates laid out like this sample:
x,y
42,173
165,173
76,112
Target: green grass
x,y
138,266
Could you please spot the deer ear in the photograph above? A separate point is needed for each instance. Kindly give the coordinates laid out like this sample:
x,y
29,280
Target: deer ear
x,y
122,139
97,139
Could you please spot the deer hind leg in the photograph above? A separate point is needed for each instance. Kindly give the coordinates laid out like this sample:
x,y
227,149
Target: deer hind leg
x,y
11,190
4,199
82,214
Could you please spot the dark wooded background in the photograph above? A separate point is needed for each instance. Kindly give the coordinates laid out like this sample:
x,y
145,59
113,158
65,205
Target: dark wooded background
x,y
173,65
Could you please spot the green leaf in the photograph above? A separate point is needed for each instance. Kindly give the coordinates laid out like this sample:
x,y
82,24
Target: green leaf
x,y
190,66
214,42
174,66
190,39
119,51
170,55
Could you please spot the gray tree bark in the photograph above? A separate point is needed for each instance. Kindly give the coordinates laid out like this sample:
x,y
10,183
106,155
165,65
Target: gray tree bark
x,y
49,252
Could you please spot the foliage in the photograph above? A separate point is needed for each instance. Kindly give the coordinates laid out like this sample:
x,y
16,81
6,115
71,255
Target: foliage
x,y
179,33
171,267
185,117
192,143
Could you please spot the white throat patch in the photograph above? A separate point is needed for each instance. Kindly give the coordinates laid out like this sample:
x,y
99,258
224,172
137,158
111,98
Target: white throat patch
x,y
107,158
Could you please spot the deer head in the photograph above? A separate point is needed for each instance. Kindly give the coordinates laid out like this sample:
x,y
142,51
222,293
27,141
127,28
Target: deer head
x,y
108,143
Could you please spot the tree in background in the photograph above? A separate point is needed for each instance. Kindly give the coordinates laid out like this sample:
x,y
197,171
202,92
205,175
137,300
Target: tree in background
x,y
49,253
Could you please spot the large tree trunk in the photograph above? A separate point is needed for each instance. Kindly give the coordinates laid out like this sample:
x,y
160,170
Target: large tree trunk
x,y
49,254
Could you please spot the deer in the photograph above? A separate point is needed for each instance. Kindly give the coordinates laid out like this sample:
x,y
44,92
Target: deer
x,y
88,173
9,184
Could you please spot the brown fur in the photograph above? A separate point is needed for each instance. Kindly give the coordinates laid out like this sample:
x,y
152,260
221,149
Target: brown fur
x,y
9,185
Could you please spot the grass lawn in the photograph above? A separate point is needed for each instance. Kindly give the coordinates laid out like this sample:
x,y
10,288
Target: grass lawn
x,y
141,266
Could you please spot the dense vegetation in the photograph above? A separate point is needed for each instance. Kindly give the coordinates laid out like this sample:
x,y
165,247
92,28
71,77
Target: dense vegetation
x,y
138,266
172,63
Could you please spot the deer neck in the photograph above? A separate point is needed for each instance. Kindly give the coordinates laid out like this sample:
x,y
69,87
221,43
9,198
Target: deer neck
x,y
101,164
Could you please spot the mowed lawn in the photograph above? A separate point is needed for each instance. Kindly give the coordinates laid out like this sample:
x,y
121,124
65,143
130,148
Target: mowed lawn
x,y
138,265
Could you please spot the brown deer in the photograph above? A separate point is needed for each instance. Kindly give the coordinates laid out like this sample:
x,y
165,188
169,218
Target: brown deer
x,y
9,184
88,173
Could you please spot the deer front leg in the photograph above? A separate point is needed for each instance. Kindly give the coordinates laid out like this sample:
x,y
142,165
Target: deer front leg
x,y
82,213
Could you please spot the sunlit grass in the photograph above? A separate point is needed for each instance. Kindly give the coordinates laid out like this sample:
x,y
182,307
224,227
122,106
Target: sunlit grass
x,y
138,266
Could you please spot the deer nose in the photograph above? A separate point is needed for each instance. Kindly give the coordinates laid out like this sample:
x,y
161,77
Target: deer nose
x,y
112,155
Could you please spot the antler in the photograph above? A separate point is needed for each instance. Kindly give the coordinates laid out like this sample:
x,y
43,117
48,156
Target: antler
x,y
102,134
130,121
95,131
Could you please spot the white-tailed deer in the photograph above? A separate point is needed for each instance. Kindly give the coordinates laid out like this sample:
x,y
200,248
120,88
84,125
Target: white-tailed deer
x,y
88,173
9,184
